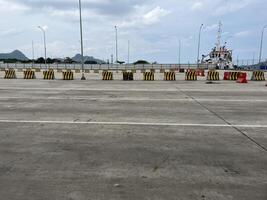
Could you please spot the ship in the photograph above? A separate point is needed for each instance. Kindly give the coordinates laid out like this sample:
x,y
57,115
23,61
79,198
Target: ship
x,y
220,56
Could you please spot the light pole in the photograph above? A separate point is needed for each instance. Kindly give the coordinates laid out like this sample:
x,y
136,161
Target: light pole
x,y
128,52
262,34
179,53
116,32
81,34
199,37
43,30
32,54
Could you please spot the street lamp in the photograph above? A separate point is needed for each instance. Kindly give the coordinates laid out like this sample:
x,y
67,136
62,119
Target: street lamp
x,y
43,30
128,52
179,59
262,34
116,32
81,33
32,54
199,37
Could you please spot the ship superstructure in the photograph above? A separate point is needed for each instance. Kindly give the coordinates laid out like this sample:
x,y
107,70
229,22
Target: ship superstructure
x,y
220,56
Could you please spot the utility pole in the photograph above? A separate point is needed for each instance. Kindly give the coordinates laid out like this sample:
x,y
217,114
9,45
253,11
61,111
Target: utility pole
x,y
32,54
179,59
44,35
116,32
128,52
199,38
81,34
262,34
111,59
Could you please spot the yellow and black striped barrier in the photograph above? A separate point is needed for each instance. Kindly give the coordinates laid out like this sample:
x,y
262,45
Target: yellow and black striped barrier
x,y
149,76
10,74
213,75
191,75
169,76
128,76
107,76
49,74
233,76
68,75
258,76
29,74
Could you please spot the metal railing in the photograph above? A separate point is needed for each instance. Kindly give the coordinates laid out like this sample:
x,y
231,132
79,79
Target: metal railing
x,y
102,66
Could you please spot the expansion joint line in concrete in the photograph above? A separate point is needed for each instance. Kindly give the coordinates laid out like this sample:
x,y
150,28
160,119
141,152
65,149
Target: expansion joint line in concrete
x,y
224,120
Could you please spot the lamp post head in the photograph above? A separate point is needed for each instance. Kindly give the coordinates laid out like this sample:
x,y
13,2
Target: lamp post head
x,y
201,27
41,28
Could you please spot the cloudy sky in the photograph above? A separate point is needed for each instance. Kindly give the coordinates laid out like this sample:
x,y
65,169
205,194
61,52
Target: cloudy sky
x,y
153,27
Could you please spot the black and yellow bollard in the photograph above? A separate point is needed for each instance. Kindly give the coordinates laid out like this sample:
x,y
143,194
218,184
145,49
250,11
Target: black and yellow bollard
x,y
233,76
10,74
107,76
213,75
149,76
128,76
191,75
49,74
169,76
258,76
29,74
68,75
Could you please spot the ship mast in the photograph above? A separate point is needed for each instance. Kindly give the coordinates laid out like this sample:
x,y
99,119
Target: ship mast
x,y
219,36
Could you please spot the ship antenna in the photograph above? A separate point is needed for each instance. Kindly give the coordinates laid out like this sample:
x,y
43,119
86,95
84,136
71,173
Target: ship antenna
x,y
219,36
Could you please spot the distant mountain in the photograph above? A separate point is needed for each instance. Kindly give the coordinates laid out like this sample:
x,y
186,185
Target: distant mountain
x,y
13,55
87,59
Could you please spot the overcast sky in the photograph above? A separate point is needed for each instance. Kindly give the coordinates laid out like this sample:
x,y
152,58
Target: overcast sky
x,y
153,27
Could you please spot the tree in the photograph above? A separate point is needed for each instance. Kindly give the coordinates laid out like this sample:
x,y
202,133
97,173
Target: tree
x,y
120,62
49,61
40,60
141,62
91,62
68,60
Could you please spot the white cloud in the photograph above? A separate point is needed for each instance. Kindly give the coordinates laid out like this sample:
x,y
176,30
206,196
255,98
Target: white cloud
x,y
142,18
211,27
154,15
197,6
10,32
243,33
231,6
6,7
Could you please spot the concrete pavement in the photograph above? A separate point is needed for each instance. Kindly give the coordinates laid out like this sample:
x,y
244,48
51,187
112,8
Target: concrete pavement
x,y
132,140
